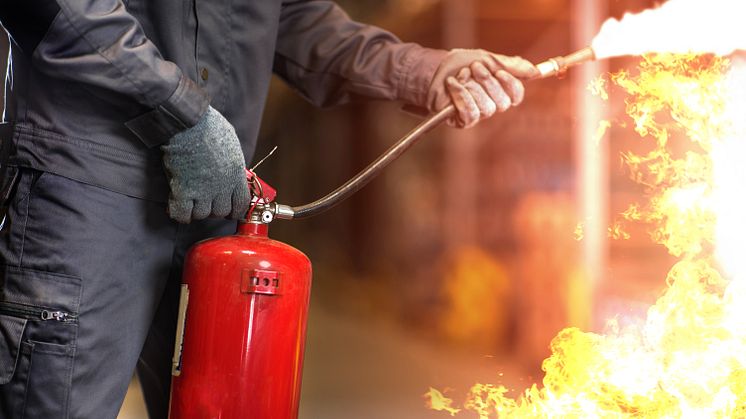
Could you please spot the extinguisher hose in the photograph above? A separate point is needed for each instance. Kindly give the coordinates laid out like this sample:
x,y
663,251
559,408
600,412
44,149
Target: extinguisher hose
x,y
552,67
367,174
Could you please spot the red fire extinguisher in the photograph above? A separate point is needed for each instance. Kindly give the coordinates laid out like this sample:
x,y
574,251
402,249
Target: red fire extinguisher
x,y
242,324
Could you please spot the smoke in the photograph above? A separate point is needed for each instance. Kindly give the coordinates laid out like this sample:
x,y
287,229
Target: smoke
x,y
677,26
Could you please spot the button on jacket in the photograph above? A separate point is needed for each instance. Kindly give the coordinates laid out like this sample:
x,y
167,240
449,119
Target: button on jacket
x,y
98,85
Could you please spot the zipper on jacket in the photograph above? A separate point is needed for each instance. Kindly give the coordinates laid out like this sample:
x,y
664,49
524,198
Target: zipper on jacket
x,y
35,313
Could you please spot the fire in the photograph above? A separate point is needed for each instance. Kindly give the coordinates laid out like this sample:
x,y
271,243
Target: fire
x,y
603,126
616,232
687,358
677,26
437,401
579,232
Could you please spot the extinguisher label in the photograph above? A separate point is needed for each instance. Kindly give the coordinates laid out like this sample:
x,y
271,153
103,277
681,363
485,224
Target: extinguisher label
x,y
181,322
260,281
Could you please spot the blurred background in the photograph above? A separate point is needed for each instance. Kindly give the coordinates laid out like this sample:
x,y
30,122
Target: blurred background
x,y
467,256
463,260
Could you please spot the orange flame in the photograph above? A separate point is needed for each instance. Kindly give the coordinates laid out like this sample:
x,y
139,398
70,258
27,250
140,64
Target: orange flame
x,y
687,358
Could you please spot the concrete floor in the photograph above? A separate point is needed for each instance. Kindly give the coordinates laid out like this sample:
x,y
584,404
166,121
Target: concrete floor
x,y
357,368
134,405
365,369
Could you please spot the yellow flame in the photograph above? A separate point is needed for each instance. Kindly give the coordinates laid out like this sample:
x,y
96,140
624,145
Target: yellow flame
x,y
687,358
579,232
677,26
597,87
603,126
616,231
437,401
632,213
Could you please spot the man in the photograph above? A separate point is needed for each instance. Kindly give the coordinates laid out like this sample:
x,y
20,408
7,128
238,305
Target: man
x,y
125,150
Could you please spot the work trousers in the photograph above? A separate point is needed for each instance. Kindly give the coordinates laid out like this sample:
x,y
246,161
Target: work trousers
x,y
89,286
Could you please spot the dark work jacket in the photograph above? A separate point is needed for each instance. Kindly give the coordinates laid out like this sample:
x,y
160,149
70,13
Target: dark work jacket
x,y
98,85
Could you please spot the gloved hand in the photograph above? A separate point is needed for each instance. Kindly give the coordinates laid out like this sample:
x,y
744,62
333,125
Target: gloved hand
x,y
205,168
479,83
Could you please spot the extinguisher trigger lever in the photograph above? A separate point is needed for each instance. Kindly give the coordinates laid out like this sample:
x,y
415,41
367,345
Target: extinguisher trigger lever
x,y
263,208
260,189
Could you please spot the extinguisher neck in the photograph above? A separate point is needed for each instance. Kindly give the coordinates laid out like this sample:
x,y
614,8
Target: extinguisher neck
x,y
252,229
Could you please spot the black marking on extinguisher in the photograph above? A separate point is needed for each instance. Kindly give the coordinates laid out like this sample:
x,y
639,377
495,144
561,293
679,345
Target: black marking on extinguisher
x,y
260,281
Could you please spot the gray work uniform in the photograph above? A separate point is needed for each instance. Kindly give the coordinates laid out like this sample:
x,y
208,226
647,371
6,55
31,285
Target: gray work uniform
x,y
89,260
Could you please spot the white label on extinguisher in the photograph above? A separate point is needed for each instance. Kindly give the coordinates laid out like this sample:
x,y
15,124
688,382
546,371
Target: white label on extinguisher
x,y
181,322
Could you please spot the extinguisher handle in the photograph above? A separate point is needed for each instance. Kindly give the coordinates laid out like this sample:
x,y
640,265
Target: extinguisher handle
x,y
367,174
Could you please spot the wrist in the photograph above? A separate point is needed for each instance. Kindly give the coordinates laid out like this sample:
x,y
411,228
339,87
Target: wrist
x,y
418,71
211,128
186,106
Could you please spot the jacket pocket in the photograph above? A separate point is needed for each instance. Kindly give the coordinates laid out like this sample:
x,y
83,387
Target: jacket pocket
x,y
40,309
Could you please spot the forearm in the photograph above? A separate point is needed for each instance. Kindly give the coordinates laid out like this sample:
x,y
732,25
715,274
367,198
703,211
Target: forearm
x,y
330,59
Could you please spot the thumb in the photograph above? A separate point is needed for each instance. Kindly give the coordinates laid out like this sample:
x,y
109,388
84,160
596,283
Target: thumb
x,y
517,66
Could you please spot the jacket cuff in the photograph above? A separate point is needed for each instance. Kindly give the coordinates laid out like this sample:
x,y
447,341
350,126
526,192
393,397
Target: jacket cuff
x,y
182,110
417,74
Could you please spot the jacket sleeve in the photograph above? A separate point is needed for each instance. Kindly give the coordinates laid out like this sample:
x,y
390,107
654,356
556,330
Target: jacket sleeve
x,y
97,42
330,59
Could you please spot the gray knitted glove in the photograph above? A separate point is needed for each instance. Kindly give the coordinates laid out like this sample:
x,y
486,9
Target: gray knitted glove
x,y
205,168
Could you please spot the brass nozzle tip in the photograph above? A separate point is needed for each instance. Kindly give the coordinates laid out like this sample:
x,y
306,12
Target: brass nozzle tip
x,y
580,56
558,65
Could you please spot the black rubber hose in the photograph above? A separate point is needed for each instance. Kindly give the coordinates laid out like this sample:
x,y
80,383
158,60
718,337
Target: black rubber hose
x,y
366,175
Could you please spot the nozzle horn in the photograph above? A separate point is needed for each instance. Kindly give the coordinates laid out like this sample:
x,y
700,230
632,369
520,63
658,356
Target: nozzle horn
x,y
559,65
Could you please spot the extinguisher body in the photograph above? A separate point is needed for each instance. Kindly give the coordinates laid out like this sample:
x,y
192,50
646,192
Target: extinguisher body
x,y
241,337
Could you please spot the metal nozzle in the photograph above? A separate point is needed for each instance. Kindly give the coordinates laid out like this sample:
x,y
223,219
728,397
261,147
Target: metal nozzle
x,y
284,212
559,65
266,213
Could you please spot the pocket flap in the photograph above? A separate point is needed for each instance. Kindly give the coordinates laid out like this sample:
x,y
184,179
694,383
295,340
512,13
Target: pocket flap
x,y
40,289
11,331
